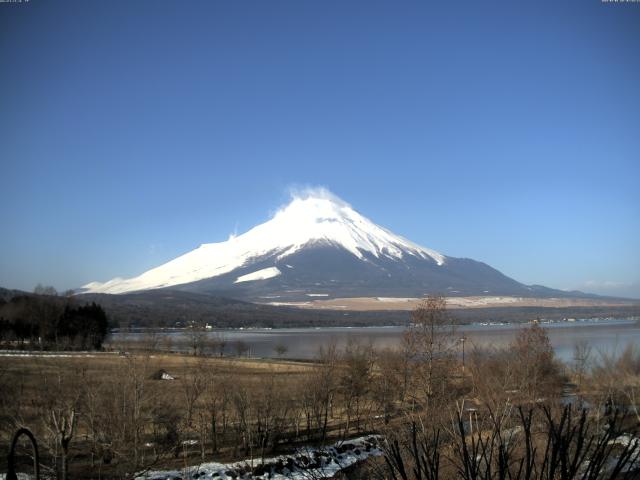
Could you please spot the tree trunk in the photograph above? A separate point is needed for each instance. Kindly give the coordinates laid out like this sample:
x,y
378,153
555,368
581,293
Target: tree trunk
x,y
64,474
214,435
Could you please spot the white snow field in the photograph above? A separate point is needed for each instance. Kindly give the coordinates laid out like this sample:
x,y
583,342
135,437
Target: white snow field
x,y
302,465
305,221
259,275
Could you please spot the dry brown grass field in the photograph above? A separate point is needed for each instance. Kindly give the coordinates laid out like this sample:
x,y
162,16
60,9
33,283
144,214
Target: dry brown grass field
x,y
128,418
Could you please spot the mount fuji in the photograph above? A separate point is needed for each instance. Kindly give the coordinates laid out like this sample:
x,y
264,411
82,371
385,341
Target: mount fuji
x,y
319,247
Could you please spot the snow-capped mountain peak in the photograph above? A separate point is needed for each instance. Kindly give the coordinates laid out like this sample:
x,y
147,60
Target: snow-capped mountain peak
x,y
307,220
318,218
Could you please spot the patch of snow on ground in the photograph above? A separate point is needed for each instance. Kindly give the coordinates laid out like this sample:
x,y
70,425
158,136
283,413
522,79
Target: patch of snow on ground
x,y
259,275
395,299
479,301
304,464
289,304
13,353
625,440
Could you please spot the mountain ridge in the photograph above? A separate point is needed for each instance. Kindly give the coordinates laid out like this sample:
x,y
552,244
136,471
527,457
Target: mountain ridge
x,y
319,245
301,224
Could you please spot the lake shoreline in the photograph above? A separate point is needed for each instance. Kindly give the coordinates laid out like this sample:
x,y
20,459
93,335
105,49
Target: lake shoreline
x,y
604,335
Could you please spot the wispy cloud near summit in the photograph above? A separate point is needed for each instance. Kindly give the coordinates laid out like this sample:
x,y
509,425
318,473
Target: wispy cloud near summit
x,y
297,192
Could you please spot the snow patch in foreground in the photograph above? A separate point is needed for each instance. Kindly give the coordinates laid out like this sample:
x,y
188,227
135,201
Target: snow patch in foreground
x,y
259,275
304,464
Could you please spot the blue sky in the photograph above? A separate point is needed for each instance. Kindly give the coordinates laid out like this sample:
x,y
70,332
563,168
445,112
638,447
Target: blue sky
x,y
507,132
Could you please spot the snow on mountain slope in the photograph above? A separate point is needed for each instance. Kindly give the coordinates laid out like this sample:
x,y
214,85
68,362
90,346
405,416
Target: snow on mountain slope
x,y
319,218
263,274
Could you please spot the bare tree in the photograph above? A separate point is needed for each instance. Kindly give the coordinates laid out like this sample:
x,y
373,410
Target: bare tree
x,y
493,376
616,380
281,349
386,382
151,340
136,400
197,339
61,399
193,384
221,342
216,402
534,360
63,423
45,290
354,381
581,359
166,342
241,347
431,342
532,444
322,389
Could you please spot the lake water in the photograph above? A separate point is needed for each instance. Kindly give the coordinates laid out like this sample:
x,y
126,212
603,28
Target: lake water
x,y
608,336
